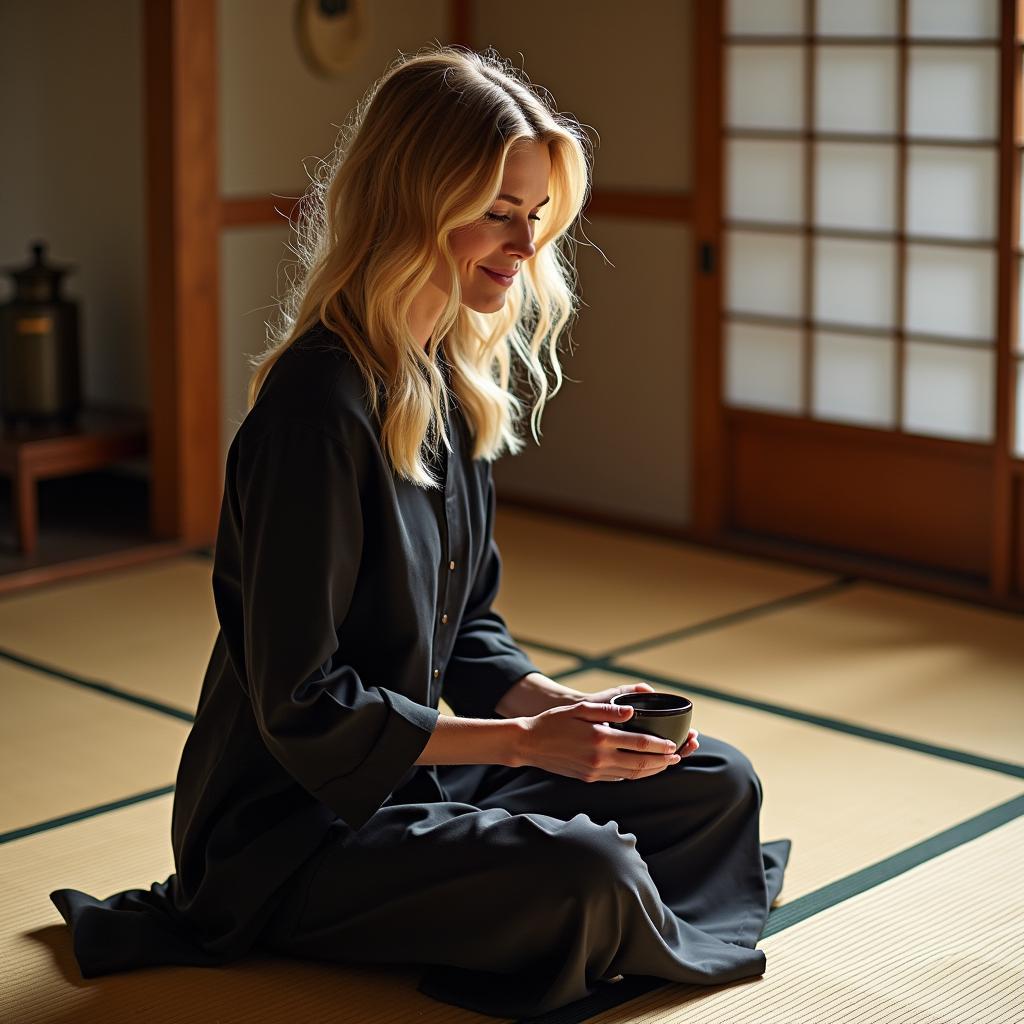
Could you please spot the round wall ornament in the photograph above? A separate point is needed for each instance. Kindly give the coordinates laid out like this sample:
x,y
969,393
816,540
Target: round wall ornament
x,y
331,33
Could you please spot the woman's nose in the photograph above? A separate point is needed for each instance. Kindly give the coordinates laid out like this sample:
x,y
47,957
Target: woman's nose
x,y
522,244
524,250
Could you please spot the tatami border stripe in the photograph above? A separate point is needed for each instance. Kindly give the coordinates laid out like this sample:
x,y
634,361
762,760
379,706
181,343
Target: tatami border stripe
x,y
805,907
89,812
105,688
708,625
732,618
897,864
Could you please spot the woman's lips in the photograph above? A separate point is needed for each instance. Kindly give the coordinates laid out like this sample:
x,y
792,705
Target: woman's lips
x,y
505,279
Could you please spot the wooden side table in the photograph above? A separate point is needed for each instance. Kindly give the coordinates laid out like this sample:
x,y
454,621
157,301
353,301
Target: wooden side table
x,y
101,435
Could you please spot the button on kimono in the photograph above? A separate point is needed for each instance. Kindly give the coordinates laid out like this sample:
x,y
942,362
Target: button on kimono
x,y
349,602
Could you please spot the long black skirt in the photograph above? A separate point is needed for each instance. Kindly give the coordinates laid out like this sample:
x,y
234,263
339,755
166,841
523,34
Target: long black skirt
x,y
524,891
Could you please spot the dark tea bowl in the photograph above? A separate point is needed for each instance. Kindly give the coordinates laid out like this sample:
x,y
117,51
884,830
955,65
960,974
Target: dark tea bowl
x,y
664,714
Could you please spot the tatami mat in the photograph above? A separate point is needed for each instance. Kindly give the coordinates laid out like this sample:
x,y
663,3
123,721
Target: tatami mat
x,y
924,667
64,749
589,589
147,630
940,944
846,802
949,912
894,661
40,982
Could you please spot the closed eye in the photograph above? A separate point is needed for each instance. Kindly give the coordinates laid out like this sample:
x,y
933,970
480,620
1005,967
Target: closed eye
x,y
498,216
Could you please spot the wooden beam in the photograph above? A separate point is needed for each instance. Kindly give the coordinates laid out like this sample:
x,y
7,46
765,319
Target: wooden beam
x,y
241,211
183,273
244,211
709,478
674,206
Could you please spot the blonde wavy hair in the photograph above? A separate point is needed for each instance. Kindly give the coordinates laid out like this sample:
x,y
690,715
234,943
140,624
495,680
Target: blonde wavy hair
x,y
422,155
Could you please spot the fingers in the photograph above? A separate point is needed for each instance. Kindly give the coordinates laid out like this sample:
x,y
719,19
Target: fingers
x,y
638,755
646,755
629,755
640,742
636,766
594,712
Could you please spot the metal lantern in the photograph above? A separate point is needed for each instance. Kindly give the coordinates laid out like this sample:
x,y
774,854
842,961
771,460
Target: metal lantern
x,y
39,350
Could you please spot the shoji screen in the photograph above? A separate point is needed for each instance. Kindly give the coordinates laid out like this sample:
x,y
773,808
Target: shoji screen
x,y
860,239
860,203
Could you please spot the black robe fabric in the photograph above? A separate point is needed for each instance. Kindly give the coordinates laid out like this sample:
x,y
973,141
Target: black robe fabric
x,y
524,891
348,600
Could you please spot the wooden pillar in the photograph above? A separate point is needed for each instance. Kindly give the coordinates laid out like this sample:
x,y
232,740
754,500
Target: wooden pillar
x,y
183,286
709,474
1003,495
460,22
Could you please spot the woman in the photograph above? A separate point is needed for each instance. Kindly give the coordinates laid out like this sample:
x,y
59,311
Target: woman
x,y
324,807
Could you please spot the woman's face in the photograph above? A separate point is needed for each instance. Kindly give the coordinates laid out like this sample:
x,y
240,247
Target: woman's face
x,y
488,254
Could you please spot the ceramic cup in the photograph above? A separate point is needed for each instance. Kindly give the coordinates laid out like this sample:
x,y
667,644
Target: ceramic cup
x,y
663,714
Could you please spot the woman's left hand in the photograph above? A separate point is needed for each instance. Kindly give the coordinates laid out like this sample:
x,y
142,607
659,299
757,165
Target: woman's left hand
x,y
604,697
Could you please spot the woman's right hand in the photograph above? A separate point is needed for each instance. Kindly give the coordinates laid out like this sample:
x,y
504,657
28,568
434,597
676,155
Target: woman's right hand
x,y
573,741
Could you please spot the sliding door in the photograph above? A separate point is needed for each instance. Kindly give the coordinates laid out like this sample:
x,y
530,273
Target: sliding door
x,y
864,246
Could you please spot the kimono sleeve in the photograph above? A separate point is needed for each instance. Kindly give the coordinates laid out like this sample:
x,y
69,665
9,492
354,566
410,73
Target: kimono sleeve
x,y
485,660
347,740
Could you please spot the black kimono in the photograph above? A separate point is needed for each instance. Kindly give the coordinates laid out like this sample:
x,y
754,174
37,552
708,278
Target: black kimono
x,y
349,602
